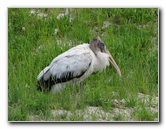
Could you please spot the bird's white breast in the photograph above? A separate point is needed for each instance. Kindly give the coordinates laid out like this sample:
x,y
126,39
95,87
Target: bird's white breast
x,y
100,61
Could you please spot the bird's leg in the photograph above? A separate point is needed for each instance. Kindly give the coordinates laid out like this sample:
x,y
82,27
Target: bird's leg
x,y
75,91
81,90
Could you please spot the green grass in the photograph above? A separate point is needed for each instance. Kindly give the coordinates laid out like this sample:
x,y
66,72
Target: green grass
x,y
131,37
144,114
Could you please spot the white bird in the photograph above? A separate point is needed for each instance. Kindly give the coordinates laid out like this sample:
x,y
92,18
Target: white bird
x,y
75,65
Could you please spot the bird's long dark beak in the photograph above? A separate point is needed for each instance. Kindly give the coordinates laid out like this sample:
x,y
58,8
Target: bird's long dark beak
x,y
111,59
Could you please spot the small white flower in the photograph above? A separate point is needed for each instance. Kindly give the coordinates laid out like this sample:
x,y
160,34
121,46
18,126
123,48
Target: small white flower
x,y
41,15
61,15
106,24
23,28
33,11
56,31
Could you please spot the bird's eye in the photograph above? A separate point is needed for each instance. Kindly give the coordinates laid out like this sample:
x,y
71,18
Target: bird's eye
x,y
101,46
95,40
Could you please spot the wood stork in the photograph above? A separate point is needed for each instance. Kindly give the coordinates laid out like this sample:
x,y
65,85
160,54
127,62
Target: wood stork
x,y
75,65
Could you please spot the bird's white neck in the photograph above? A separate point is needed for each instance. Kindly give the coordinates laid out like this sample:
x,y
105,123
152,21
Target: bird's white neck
x,y
101,61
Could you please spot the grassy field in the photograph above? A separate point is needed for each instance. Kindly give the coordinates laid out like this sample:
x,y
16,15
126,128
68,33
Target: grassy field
x,y
37,36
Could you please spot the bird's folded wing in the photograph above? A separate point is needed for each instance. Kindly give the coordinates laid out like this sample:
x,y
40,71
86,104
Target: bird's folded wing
x,y
69,67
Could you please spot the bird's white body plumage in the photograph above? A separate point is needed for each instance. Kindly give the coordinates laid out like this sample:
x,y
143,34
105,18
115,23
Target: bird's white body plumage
x,y
80,60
